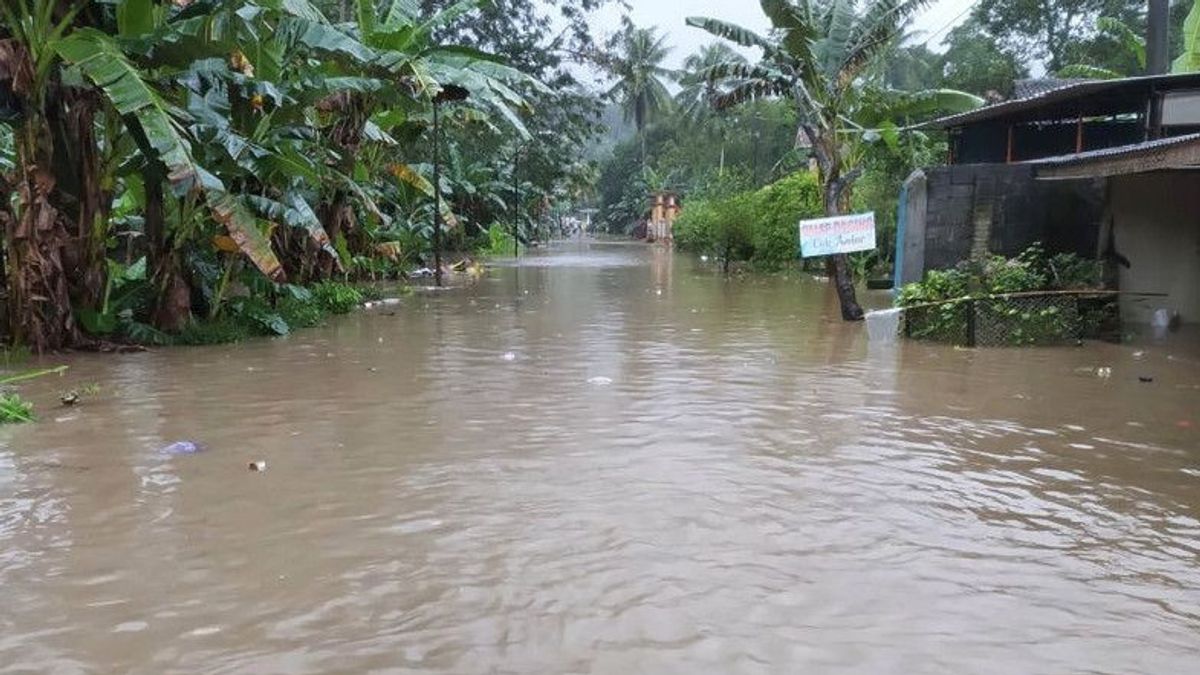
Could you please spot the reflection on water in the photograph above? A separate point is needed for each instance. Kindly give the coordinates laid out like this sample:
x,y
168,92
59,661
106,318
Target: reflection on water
x,y
669,472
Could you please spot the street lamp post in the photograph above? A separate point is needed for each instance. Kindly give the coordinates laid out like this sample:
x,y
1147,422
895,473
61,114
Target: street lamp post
x,y
516,203
449,94
516,209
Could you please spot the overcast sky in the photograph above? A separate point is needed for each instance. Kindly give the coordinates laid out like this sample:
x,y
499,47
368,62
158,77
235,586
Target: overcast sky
x,y
669,16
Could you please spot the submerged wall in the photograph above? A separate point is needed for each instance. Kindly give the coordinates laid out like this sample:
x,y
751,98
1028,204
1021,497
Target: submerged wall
x,y
1156,224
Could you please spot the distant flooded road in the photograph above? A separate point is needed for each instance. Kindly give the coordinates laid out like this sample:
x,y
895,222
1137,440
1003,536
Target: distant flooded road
x,y
607,460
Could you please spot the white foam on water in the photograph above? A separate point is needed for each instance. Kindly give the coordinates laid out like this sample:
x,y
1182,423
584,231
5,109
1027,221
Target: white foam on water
x,y
883,325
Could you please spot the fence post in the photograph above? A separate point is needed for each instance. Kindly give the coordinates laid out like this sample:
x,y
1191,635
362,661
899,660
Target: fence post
x,y
970,322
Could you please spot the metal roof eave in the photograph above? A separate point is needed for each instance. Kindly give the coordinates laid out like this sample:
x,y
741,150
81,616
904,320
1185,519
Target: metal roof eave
x,y
1023,109
1176,152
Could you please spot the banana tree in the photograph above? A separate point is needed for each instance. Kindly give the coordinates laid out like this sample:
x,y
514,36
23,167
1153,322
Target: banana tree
x,y
816,57
68,78
1189,60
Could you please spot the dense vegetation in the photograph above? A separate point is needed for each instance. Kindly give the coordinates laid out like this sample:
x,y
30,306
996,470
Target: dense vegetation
x,y
942,300
174,165
839,84
190,170
759,226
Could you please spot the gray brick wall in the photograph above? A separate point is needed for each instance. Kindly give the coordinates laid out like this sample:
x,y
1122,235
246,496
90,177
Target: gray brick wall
x,y
1004,204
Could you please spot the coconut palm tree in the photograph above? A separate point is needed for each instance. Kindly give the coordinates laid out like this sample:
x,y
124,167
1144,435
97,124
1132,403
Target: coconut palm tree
x,y
817,57
638,69
699,91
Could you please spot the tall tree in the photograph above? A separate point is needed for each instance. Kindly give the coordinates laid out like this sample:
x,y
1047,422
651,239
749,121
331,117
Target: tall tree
x,y
816,58
976,62
1052,30
698,91
637,65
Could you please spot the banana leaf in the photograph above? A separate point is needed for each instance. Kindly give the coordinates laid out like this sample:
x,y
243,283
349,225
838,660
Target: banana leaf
x,y
99,58
1189,60
243,228
294,211
406,174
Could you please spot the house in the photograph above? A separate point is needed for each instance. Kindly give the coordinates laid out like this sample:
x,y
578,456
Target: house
x,y
1107,169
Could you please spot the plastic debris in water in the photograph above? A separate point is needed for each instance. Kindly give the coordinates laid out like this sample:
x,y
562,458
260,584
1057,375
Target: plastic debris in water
x,y
600,381
1104,372
258,466
69,398
181,448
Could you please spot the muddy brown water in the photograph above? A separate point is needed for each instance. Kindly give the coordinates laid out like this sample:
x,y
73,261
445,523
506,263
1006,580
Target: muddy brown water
x,y
610,460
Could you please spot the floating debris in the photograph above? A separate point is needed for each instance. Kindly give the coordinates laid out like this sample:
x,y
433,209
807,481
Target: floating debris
x,y
260,465
600,381
509,356
181,448
386,302
69,398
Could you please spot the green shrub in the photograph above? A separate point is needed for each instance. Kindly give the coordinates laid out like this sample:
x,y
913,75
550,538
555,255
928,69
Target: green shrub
x,y
1026,322
757,226
14,409
778,209
299,313
499,241
219,331
337,298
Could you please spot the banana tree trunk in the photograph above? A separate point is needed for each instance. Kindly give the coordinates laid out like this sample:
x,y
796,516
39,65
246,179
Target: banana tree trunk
x,y
835,187
337,216
80,164
39,300
173,304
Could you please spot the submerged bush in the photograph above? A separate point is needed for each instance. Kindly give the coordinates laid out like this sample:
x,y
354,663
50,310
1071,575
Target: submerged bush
x,y
337,298
938,307
14,409
760,226
499,241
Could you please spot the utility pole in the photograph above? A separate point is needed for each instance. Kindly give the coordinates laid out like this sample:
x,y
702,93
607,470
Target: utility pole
x,y
1157,39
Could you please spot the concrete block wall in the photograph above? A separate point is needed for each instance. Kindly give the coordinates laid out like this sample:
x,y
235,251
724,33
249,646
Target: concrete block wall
x,y
1001,209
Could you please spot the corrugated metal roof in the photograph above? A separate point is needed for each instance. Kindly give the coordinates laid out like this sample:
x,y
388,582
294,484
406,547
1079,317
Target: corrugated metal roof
x,y
1173,152
1032,87
1060,98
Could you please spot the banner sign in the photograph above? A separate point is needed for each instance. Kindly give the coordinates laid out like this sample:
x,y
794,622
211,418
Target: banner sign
x,y
839,234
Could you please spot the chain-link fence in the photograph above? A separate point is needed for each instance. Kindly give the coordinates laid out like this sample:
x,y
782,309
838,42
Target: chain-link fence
x,y
1014,320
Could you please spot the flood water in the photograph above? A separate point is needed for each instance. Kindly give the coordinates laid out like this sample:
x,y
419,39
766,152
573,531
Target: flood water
x,y
607,460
